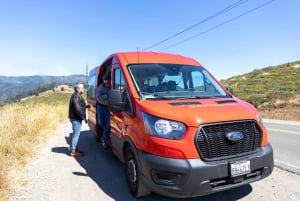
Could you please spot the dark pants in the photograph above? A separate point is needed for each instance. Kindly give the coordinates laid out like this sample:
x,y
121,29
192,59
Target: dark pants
x,y
104,120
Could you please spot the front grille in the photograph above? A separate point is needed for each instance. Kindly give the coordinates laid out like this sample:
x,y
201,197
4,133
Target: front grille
x,y
212,143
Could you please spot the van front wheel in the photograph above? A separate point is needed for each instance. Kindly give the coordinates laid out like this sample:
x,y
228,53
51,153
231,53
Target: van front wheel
x,y
135,184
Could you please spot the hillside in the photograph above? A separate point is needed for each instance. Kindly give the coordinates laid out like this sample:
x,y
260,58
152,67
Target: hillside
x,y
12,86
274,90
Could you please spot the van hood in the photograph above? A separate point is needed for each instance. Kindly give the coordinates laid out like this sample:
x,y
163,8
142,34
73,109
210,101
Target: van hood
x,y
194,112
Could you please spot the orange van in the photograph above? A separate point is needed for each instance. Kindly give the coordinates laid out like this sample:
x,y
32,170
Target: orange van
x,y
179,132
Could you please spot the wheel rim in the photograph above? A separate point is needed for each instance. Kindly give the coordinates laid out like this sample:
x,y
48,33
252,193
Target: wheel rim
x,y
132,171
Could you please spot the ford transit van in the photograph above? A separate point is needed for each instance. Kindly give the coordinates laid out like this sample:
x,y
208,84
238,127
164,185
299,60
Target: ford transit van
x,y
177,129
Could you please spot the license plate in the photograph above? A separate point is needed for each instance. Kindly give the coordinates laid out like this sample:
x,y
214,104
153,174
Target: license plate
x,y
240,168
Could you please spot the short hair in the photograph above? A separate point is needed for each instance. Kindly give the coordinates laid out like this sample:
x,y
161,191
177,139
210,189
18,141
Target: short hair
x,y
106,76
77,85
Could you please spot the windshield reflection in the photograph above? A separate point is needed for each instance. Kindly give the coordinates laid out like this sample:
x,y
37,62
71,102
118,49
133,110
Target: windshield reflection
x,y
174,81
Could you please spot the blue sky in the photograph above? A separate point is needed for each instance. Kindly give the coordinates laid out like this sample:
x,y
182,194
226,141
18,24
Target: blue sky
x,y
61,37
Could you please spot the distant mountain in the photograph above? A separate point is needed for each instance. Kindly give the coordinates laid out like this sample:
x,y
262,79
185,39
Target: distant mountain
x,y
12,86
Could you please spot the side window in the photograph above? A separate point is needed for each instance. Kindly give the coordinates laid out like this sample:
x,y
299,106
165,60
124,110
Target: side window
x,y
119,83
91,93
198,81
119,79
212,86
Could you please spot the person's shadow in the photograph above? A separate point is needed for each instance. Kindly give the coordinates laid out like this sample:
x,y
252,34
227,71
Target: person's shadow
x,y
108,173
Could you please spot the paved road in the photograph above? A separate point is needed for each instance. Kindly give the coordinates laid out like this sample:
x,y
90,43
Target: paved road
x,y
99,176
285,139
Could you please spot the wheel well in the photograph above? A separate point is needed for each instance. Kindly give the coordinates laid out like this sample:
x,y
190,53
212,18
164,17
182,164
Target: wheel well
x,y
126,145
137,187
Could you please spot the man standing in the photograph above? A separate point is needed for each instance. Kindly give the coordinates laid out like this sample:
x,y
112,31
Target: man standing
x,y
77,113
102,110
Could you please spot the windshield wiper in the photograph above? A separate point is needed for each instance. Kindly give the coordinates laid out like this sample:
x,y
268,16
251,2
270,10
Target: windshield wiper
x,y
204,97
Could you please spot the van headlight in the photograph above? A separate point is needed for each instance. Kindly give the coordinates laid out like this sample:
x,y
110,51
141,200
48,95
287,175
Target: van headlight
x,y
164,128
260,119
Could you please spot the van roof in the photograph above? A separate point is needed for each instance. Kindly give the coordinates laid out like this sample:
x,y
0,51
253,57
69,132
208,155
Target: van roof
x,y
154,57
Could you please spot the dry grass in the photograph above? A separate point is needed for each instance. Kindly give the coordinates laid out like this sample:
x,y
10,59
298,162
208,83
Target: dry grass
x,y
292,114
25,126
287,109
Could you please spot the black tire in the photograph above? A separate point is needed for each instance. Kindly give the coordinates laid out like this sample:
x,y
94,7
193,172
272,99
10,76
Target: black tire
x,y
135,184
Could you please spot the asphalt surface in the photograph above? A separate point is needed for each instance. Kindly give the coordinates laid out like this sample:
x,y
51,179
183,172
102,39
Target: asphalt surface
x,y
284,136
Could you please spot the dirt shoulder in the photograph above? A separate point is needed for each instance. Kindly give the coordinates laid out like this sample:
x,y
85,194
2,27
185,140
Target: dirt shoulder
x,y
53,175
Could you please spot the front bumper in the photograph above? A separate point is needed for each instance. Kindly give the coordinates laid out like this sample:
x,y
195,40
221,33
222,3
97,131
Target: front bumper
x,y
181,178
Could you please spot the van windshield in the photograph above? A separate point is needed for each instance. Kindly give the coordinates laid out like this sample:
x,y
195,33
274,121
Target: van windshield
x,y
174,81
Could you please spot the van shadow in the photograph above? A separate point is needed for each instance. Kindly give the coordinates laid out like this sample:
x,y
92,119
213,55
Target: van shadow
x,y
102,166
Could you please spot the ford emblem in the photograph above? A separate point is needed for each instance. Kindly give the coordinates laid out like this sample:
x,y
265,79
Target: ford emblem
x,y
234,136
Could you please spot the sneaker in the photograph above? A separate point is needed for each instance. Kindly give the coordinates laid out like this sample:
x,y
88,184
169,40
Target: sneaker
x,y
76,154
104,145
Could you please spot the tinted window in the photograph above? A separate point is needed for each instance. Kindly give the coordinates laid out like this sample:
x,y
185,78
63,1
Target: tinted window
x,y
91,93
119,83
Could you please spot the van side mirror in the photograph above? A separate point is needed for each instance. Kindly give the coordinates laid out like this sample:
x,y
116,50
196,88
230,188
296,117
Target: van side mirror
x,y
230,90
115,103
